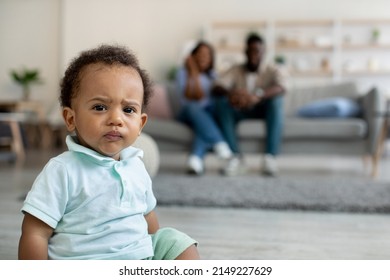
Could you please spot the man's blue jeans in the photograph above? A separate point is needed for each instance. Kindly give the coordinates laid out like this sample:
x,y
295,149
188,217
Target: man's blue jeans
x,y
271,110
201,120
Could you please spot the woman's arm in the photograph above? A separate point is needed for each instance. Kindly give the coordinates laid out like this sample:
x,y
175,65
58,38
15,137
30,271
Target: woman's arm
x,y
151,219
33,244
193,88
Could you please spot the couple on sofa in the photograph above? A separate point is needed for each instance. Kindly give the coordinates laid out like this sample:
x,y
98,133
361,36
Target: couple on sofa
x,y
212,105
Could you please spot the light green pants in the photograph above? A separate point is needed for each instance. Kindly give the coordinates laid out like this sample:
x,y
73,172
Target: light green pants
x,y
169,243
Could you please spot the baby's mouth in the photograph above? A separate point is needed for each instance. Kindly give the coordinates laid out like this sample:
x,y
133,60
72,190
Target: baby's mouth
x,y
113,136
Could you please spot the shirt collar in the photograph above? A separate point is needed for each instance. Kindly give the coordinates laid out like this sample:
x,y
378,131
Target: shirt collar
x,y
260,70
125,154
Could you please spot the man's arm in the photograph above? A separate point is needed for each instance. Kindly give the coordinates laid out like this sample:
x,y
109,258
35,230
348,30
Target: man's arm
x,y
276,82
33,244
241,98
273,91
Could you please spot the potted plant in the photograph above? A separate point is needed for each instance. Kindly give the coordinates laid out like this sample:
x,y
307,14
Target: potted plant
x,y
25,77
280,59
375,34
171,74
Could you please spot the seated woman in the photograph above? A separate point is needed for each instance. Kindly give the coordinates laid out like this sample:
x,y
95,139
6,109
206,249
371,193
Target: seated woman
x,y
194,82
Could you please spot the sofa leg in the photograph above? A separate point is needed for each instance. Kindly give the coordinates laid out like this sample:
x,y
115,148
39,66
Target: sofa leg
x,y
366,162
380,147
372,160
375,164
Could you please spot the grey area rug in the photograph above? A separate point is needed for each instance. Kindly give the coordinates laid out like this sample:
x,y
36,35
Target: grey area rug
x,y
320,193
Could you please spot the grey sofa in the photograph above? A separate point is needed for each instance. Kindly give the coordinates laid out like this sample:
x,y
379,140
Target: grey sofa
x,y
347,136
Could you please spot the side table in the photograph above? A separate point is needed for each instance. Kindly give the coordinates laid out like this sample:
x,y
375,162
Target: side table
x,y
13,143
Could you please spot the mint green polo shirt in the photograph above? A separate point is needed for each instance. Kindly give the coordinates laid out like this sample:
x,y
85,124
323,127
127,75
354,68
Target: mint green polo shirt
x,y
95,204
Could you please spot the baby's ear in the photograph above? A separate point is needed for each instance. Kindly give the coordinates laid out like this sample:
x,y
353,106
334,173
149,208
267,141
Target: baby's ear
x,y
69,118
144,120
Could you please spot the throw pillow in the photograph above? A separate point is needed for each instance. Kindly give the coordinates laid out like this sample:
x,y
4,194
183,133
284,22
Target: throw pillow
x,y
159,106
337,107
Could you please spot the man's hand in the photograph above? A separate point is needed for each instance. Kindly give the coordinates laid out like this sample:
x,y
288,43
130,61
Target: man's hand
x,y
241,99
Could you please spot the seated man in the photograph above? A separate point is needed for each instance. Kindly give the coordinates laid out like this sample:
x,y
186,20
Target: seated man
x,y
251,90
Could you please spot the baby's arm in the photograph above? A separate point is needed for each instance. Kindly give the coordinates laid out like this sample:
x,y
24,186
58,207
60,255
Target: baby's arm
x,y
33,244
151,219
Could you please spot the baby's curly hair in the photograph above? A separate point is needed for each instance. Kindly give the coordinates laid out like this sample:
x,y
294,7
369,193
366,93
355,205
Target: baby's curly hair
x,y
106,54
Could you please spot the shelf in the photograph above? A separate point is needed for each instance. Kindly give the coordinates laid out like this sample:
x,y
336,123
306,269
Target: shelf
x,y
365,21
311,73
229,48
239,24
312,40
367,73
306,23
371,46
297,48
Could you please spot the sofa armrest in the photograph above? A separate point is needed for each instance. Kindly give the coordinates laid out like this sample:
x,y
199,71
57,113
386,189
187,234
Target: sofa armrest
x,y
373,103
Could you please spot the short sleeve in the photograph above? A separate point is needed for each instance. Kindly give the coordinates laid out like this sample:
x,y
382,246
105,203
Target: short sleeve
x,y
48,196
273,75
181,79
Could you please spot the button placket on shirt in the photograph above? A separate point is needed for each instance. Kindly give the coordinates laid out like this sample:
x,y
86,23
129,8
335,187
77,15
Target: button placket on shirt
x,y
124,192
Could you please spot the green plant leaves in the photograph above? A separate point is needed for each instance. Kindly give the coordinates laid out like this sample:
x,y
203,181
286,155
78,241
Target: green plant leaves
x,y
25,76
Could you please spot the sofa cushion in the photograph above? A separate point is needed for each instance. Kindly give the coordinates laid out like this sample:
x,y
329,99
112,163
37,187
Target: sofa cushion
x,y
159,105
308,128
329,128
173,98
336,107
251,128
298,97
169,130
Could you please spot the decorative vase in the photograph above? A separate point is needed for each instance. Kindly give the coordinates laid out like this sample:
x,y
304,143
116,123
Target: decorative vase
x,y
26,93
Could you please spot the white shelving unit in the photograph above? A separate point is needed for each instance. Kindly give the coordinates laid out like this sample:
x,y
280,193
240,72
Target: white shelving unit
x,y
308,47
362,52
315,51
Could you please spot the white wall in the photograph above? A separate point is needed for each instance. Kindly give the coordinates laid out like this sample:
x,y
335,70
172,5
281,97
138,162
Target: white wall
x,y
48,33
29,38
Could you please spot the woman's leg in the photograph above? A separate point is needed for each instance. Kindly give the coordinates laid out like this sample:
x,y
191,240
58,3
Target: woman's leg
x,y
203,124
207,136
199,146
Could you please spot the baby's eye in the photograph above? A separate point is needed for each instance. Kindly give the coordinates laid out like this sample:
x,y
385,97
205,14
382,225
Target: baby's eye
x,y
128,110
99,107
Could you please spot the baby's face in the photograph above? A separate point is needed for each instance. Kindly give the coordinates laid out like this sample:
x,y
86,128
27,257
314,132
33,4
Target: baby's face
x,y
106,112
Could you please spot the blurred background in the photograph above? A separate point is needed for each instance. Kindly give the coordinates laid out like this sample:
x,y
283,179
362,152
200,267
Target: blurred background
x,y
46,34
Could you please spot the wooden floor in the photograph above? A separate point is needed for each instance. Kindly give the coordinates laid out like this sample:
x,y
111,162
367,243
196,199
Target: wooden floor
x,y
238,233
